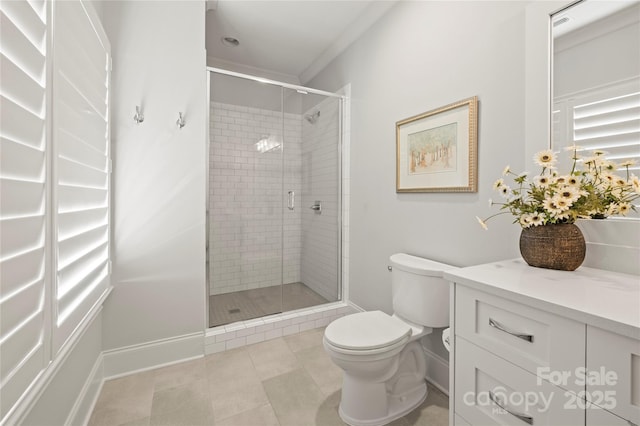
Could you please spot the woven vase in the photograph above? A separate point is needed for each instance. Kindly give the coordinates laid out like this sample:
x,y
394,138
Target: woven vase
x,y
559,246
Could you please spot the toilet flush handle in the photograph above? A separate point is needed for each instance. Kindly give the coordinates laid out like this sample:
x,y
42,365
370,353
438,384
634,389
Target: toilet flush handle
x,y
389,268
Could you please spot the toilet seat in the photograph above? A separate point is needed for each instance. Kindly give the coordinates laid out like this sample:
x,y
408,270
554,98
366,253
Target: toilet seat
x,y
367,332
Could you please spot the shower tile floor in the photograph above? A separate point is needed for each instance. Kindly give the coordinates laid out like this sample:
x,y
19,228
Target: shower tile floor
x,y
285,381
243,305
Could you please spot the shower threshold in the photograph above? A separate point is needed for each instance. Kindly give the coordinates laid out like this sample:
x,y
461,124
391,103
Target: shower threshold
x,y
255,303
241,333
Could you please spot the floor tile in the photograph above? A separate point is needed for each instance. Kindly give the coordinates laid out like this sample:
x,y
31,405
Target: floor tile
x,y
434,411
225,366
295,398
322,370
327,414
192,397
180,374
124,399
272,358
286,381
231,397
306,339
245,304
261,416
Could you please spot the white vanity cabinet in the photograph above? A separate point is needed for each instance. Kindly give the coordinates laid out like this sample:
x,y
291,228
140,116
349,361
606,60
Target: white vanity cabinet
x,y
544,347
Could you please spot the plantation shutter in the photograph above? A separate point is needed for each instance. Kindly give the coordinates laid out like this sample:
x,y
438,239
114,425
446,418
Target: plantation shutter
x,y
23,198
611,124
81,167
606,118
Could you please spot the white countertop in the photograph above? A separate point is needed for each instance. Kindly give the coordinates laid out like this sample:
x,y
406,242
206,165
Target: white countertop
x,y
605,299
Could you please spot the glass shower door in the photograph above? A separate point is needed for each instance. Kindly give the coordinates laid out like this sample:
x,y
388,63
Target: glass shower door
x,y
245,214
311,262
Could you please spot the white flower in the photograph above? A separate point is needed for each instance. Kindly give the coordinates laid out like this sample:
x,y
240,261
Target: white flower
x,y
573,181
498,183
537,219
569,193
482,223
573,147
505,190
542,181
628,163
506,171
546,158
624,208
562,216
561,203
635,183
525,220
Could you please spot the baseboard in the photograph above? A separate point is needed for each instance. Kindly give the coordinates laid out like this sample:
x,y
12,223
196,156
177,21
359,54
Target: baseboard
x,y
354,306
82,409
437,371
148,356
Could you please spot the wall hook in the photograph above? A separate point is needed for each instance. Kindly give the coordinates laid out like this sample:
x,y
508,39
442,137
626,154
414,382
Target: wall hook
x,y
180,121
139,117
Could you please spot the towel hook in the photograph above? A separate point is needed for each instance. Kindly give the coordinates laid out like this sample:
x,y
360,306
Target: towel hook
x,y
180,121
139,117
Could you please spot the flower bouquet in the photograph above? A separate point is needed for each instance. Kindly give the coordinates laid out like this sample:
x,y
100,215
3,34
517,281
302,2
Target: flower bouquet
x,y
591,189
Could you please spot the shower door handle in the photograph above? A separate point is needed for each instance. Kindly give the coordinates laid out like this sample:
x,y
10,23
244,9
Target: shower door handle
x,y
291,202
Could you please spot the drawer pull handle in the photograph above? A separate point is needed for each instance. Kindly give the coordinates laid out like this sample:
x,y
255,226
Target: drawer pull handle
x,y
496,324
523,417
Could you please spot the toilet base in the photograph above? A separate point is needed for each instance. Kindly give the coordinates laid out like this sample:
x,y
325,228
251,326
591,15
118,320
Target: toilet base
x,y
397,406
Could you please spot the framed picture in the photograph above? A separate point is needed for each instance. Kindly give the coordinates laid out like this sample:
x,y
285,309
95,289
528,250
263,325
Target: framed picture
x,y
437,151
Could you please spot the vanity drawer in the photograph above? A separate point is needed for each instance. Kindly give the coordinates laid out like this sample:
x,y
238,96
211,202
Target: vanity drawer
x,y
490,390
597,416
613,365
538,341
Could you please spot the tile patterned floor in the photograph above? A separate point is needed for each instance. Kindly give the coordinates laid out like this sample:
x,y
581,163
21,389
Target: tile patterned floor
x,y
281,382
247,304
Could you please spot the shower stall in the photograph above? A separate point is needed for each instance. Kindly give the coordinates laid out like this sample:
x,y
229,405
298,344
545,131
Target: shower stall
x,y
274,197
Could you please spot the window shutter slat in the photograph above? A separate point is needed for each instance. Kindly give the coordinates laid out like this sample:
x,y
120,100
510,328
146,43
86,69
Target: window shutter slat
x,y
81,189
21,198
19,49
21,161
20,125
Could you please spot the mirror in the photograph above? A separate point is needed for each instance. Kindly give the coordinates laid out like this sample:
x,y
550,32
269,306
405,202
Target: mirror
x,y
596,78
595,82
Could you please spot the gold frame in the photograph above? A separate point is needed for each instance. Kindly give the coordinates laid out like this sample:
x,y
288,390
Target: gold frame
x,y
465,180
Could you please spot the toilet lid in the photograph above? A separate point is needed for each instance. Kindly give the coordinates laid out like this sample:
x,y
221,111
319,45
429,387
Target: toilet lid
x,y
366,330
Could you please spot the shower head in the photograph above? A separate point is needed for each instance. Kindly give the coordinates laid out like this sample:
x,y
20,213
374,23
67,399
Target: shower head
x,y
312,118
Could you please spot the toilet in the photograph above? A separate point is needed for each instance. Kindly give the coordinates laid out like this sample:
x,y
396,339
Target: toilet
x,y
383,363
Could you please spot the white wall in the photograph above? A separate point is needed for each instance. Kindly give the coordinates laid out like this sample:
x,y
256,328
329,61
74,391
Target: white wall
x,y
420,56
599,54
158,171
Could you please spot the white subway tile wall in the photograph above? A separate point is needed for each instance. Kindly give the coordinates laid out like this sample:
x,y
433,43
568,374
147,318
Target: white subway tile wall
x,y
320,169
246,199
248,204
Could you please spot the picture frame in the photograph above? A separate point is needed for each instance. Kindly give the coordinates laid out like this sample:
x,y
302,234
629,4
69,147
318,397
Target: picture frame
x,y
437,151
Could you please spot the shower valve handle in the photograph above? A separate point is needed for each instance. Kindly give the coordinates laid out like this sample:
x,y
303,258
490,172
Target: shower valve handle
x,y
292,200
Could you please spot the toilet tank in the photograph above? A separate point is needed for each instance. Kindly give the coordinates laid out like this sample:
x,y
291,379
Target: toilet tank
x,y
420,294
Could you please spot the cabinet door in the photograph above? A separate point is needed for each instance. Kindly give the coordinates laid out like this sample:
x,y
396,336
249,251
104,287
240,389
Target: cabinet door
x,y
542,343
490,390
597,416
613,378
459,421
